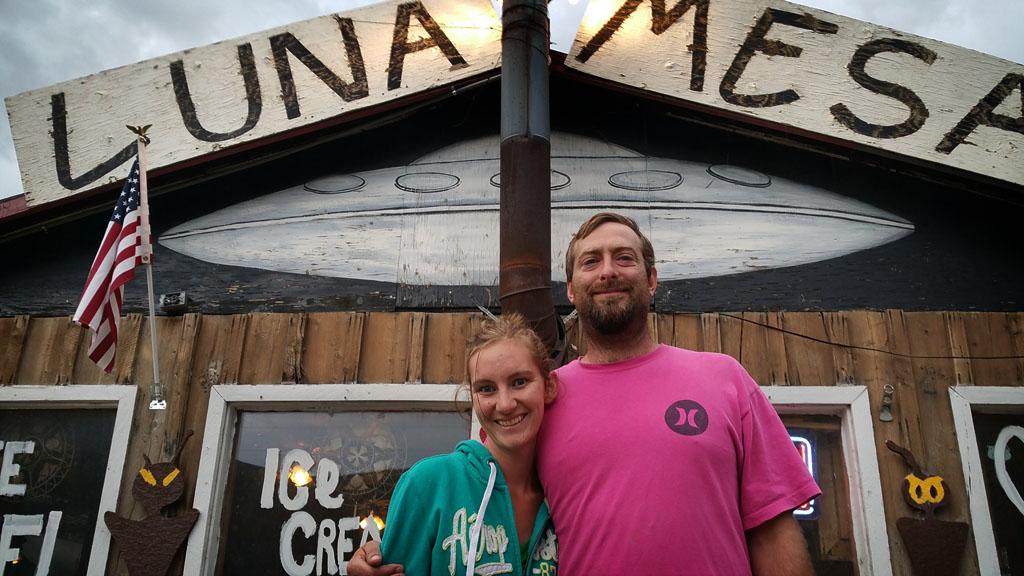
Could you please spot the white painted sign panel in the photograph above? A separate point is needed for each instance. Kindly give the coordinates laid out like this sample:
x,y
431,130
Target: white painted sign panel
x,y
71,137
841,78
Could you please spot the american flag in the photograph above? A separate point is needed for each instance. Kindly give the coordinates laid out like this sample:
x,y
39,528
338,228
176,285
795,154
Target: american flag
x,y
114,266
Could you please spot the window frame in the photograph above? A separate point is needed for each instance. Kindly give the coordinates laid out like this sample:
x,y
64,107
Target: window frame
x,y
852,406
119,397
219,437
965,400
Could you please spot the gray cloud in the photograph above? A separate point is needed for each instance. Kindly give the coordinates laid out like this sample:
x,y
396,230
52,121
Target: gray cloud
x,y
992,27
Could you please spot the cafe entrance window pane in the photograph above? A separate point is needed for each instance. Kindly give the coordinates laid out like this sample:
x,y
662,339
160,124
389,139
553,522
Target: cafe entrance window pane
x,y
56,461
826,522
1002,471
300,482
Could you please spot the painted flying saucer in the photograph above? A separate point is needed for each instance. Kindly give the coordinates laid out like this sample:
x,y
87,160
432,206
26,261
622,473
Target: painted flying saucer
x,y
435,221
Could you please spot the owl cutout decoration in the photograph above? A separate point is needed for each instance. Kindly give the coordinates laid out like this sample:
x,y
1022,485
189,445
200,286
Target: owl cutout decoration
x,y
149,544
935,547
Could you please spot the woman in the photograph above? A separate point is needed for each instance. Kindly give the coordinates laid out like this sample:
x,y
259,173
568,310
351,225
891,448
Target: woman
x,y
432,521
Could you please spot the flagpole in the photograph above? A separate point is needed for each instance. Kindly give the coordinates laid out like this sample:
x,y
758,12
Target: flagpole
x,y
157,401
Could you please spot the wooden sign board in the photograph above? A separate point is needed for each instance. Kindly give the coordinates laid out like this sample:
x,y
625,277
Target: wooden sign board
x,y
838,78
71,137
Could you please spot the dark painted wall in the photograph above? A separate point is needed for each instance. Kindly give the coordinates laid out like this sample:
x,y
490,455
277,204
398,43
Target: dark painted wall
x,y
965,253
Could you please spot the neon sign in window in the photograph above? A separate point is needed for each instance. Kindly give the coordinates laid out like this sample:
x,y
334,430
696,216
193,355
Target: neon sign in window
x,y
805,445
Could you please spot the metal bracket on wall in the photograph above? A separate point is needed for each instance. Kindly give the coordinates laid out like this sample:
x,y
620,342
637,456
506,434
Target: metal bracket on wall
x,y
885,413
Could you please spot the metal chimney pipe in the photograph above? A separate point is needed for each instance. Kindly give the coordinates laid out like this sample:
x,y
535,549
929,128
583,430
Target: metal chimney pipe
x,y
525,235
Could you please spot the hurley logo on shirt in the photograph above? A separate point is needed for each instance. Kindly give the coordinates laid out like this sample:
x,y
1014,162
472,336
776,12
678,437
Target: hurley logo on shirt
x,y
493,540
686,417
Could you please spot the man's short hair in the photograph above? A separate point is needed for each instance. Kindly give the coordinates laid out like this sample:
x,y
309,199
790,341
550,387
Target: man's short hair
x,y
646,248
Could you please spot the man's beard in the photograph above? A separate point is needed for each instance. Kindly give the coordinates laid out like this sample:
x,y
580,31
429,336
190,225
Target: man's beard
x,y
613,317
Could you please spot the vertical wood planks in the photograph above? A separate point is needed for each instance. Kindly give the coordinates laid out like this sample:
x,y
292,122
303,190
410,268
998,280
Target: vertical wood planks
x,y
959,348
85,371
665,329
178,389
12,343
842,356
911,433
754,353
272,347
730,334
176,377
291,368
48,355
990,344
810,361
211,346
933,372
159,424
874,368
653,326
776,345
680,330
928,341
333,347
446,336
711,338
1015,321
128,337
904,382
378,353
388,343
231,365
68,348
417,335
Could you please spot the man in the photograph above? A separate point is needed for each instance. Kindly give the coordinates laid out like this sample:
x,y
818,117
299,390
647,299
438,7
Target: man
x,y
656,459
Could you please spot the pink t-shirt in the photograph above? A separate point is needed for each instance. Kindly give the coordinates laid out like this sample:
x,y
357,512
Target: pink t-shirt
x,y
659,464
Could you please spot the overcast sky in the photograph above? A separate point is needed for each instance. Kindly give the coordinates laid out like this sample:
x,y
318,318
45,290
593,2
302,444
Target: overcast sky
x,y
45,42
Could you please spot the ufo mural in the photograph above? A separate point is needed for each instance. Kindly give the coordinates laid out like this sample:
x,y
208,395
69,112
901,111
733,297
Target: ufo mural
x,y
435,221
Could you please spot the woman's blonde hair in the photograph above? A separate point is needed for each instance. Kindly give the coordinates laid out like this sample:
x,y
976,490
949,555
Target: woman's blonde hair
x,y
509,326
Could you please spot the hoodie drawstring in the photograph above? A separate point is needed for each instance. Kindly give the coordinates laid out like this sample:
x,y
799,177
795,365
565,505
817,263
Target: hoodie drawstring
x,y
474,532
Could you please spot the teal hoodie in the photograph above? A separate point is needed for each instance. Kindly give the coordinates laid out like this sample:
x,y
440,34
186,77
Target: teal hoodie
x,y
433,511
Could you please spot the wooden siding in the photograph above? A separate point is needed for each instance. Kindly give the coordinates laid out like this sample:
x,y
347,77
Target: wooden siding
x,y
921,354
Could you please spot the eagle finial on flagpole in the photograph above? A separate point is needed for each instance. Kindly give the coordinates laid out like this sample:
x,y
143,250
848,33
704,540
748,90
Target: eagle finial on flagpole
x,y
140,131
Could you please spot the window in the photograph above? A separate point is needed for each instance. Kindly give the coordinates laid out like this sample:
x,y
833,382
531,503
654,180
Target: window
x,y
826,519
836,420
987,418
62,450
289,473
